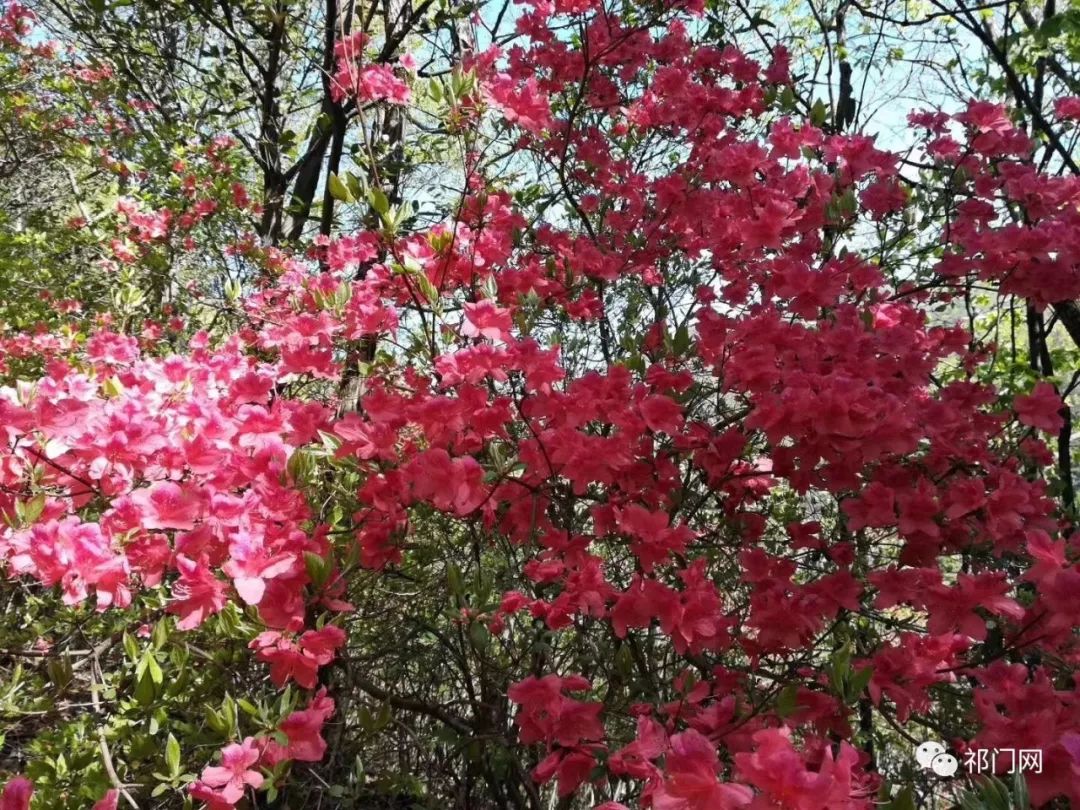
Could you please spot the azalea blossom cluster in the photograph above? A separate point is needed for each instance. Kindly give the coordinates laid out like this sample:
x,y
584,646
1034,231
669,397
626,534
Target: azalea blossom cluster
x,y
371,82
19,791
641,491
183,460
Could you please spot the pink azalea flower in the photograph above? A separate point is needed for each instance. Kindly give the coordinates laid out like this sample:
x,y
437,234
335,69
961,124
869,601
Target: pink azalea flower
x,y
1041,408
235,773
165,505
485,319
197,595
109,801
17,794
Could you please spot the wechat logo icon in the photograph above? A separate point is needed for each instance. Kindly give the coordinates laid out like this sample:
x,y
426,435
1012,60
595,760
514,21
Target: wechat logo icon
x,y
932,756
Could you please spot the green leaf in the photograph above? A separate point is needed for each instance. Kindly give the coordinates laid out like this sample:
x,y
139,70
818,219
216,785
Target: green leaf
x,y
160,636
995,794
681,342
353,182
338,190
317,568
1021,798
847,203
378,201
60,672
228,713
904,800
839,668
480,635
788,700
144,688
858,682
215,720
172,756
156,675
330,442
365,719
112,387
427,288
453,579
29,511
